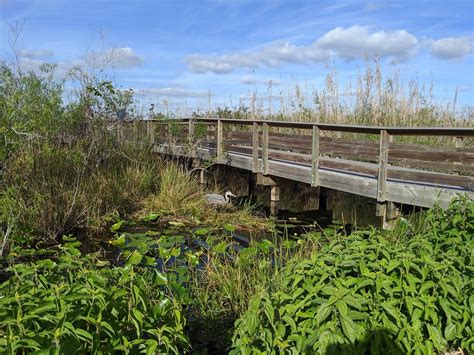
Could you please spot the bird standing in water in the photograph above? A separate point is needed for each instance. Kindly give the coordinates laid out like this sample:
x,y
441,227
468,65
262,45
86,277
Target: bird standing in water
x,y
216,199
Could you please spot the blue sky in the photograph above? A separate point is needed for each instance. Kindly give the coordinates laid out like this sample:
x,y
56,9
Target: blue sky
x,y
183,50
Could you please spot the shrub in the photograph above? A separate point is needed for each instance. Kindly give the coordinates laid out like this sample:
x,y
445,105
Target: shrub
x,y
57,190
364,292
77,304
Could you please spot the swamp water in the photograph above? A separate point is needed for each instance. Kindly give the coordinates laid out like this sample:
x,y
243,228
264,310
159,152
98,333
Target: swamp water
x,y
167,243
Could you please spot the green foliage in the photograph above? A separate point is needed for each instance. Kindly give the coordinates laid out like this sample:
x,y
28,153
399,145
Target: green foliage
x,y
106,100
77,304
53,190
30,108
62,168
364,293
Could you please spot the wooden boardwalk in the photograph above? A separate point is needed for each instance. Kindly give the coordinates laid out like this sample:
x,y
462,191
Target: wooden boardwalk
x,y
330,156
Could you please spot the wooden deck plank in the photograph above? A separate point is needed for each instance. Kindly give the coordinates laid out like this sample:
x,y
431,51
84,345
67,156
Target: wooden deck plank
x,y
360,184
370,169
437,159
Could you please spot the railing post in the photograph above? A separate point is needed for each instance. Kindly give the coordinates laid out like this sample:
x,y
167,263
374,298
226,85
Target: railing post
x,y
169,136
315,157
220,142
191,137
383,164
459,142
255,147
150,131
265,148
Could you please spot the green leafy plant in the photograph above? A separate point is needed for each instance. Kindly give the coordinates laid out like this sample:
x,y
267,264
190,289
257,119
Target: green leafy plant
x,y
78,304
364,293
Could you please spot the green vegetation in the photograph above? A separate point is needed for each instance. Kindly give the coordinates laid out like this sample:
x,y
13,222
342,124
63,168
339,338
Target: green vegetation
x,y
77,304
105,247
364,292
403,291
180,197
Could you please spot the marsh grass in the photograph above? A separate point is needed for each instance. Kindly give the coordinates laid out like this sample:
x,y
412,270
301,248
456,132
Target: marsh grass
x,y
178,194
376,96
55,190
181,197
222,289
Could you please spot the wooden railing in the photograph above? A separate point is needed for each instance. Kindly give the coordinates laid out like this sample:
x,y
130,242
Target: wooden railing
x,y
312,146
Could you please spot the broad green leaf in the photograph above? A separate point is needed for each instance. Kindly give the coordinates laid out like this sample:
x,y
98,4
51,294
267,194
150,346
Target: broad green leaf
x,y
349,328
342,308
323,313
135,258
450,332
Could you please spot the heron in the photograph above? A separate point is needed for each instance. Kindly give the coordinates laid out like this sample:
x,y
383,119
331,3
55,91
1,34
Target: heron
x,y
216,199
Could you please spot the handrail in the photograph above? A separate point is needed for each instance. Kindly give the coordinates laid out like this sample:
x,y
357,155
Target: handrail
x,y
259,138
400,131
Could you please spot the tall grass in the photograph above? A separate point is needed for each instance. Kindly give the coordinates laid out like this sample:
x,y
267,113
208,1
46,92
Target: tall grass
x,y
231,276
178,194
181,196
373,97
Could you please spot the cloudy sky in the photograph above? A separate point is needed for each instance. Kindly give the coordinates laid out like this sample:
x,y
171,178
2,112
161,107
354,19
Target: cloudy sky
x,y
184,50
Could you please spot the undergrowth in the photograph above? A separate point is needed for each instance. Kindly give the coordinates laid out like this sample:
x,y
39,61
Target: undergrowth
x,y
75,303
365,293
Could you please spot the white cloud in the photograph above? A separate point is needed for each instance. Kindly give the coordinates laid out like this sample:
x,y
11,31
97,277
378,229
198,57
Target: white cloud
x,y
61,68
118,57
452,47
252,80
248,80
273,82
273,55
358,41
348,43
171,92
124,57
35,54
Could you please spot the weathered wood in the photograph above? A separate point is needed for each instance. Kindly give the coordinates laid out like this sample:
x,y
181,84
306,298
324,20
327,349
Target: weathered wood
x,y
380,209
415,156
150,132
135,129
255,134
275,193
274,207
369,169
191,139
220,142
383,164
265,180
315,157
384,171
202,177
402,131
397,191
265,148
303,141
